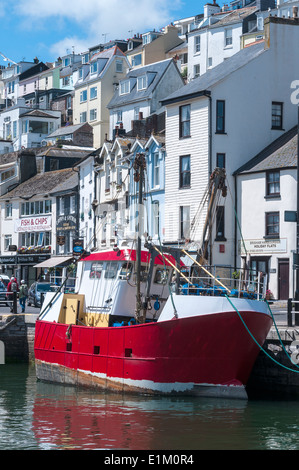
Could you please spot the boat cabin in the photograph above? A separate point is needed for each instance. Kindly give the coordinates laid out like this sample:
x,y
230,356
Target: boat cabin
x,y
105,291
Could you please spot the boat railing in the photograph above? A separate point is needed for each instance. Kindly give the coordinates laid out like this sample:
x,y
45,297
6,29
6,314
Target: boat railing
x,y
222,280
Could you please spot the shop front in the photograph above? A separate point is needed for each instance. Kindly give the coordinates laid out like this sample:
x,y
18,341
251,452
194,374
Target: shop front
x,y
22,266
34,244
271,257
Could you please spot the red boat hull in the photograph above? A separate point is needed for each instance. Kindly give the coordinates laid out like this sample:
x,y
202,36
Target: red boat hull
x,y
208,355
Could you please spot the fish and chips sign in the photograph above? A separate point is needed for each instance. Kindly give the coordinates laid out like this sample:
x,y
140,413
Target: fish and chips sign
x,y
263,246
33,224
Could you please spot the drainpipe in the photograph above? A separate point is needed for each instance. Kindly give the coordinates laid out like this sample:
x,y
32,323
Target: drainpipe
x,y
207,93
297,231
94,212
235,228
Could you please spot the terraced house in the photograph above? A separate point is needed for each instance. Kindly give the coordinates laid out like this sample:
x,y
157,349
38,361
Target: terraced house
x,y
94,89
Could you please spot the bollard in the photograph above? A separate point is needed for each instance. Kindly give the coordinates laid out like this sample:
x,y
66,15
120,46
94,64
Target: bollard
x,y
14,302
2,353
297,308
290,320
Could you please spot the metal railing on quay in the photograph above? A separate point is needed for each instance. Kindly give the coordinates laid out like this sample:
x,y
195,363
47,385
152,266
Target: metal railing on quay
x,y
10,299
293,308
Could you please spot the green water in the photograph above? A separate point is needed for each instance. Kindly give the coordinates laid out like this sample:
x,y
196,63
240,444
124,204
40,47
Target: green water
x,y
38,416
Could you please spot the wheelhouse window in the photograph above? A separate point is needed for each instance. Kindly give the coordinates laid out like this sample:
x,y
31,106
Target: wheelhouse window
x,y
273,183
161,276
220,116
272,225
96,270
126,271
111,270
185,116
185,173
277,111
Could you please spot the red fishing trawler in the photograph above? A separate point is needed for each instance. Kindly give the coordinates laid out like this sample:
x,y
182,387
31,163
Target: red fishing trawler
x,y
177,344
130,328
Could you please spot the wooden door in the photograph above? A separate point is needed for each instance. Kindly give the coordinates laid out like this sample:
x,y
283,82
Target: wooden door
x,y
283,279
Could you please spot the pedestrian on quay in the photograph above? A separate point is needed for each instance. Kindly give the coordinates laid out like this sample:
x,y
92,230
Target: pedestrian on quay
x,y
23,294
12,286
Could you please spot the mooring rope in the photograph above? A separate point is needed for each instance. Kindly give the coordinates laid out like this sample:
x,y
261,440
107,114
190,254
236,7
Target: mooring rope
x,y
261,348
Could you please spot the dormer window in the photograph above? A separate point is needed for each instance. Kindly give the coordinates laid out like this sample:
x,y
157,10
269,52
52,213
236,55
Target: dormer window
x,y
94,67
146,38
125,87
142,83
130,45
85,58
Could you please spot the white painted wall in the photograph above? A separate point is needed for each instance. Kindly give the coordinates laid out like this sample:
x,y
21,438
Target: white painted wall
x,y
86,196
212,45
248,93
253,205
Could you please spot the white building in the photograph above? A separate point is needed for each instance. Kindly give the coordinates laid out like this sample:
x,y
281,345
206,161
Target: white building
x,y
87,188
268,244
140,93
112,191
218,37
223,119
28,222
27,127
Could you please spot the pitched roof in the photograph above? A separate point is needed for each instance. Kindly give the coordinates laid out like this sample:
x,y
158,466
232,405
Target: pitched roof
x,y
234,16
64,152
66,130
282,153
104,58
155,72
38,113
42,183
203,83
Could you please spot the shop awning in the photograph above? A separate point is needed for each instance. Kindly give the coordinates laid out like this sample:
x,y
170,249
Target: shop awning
x,y
54,261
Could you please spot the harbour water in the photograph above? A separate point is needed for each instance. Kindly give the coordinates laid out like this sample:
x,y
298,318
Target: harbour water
x,y
39,416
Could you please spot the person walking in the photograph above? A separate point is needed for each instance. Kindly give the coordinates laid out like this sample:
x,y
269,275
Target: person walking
x,y
23,294
11,292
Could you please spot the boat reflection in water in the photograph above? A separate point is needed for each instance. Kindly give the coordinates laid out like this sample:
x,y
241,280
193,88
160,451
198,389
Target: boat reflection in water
x,y
68,418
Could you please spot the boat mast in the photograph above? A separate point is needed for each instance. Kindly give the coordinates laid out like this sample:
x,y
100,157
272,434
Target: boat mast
x,y
139,167
217,182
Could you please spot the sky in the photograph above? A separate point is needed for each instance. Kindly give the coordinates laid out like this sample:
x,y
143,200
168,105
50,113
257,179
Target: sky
x,y
48,29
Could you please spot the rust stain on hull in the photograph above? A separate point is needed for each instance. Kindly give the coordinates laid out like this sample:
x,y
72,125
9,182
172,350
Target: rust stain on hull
x,y
56,373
